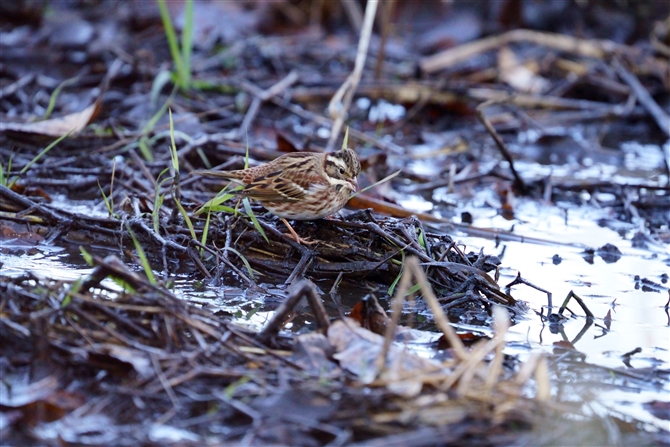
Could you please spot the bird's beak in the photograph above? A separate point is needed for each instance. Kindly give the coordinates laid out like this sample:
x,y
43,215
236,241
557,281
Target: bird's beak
x,y
354,184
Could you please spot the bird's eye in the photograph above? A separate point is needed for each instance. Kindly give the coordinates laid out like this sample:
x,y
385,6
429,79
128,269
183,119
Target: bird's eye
x,y
341,171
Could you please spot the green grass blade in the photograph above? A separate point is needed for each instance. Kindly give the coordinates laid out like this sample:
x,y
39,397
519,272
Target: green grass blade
x,y
247,204
171,36
397,278
166,133
145,143
244,260
187,219
160,81
44,151
251,313
204,158
252,216
4,179
345,141
145,148
88,258
56,94
157,116
246,155
143,257
173,148
149,126
108,202
187,43
74,288
221,197
415,288
158,200
218,209
205,232
230,389
155,213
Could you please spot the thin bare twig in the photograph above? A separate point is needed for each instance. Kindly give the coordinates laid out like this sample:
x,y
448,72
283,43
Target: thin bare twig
x,y
518,181
339,104
659,115
414,271
262,96
585,47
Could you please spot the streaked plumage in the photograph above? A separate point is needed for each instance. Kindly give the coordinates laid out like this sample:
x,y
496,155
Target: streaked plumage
x,y
300,185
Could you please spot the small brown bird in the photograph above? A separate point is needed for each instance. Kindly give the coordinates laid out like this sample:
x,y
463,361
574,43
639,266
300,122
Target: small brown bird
x,y
300,185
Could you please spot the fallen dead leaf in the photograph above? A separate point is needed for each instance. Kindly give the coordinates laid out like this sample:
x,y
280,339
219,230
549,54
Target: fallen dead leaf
x,y
56,127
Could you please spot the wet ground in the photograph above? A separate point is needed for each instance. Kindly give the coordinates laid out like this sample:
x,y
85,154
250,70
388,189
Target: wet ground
x,y
627,295
576,201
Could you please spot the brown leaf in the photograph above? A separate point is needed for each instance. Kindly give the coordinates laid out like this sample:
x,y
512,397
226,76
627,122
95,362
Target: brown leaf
x,y
18,234
564,346
370,315
357,351
284,144
56,127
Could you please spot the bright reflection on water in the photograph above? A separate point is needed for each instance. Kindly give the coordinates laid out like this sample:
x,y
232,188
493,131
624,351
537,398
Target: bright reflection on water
x,y
638,319
43,262
92,208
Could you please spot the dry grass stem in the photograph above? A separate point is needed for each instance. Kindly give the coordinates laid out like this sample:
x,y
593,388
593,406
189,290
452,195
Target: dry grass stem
x,y
341,101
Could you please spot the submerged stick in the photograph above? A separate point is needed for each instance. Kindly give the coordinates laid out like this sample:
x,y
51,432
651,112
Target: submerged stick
x,y
304,289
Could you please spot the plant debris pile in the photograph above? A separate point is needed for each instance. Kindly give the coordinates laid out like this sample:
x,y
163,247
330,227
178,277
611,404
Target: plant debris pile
x,y
364,247
358,247
101,361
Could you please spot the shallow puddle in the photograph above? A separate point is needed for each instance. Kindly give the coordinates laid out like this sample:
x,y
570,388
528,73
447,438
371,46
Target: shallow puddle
x,y
627,298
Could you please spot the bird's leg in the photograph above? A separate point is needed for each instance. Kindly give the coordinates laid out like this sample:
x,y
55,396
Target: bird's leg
x,y
297,238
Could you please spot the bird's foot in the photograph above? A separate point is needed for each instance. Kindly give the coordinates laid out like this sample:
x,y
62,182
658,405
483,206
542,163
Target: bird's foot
x,y
295,237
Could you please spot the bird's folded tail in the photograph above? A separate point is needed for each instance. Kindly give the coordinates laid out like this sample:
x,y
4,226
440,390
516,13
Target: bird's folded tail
x,y
218,174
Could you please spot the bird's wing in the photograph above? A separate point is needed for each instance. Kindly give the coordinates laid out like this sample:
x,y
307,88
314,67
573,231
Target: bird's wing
x,y
284,186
